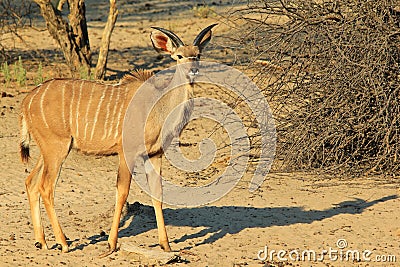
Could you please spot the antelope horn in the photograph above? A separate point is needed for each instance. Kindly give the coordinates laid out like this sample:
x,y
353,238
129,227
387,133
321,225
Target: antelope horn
x,y
201,35
174,38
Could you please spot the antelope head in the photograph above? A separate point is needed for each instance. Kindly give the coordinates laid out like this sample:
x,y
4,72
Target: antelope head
x,y
166,41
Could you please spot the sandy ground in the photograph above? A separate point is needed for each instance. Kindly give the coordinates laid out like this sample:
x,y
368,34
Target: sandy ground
x,y
290,214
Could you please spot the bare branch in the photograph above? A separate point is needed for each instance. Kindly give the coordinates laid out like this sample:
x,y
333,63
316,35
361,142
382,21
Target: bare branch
x,y
105,41
335,88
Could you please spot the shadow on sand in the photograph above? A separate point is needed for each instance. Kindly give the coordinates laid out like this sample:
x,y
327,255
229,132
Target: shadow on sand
x,y
220,221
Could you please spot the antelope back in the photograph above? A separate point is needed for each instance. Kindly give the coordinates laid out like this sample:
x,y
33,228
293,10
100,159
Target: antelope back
x,y
89,112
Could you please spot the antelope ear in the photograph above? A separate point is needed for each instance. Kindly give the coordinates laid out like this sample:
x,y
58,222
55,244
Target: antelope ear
x,y
162,43
204,37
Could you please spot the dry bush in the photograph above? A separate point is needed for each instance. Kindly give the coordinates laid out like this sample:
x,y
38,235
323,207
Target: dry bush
x,y
14,14
330,70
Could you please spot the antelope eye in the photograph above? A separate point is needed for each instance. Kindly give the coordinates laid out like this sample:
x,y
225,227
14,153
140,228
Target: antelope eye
x,y
179,56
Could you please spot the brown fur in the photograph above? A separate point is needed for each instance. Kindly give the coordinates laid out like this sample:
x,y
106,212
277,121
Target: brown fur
x,y
140,75
65,113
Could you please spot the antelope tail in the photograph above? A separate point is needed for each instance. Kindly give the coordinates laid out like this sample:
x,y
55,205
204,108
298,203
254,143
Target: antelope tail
x,y
25,140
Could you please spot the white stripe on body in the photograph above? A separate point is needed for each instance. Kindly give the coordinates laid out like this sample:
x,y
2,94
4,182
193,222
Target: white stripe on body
x,y
108,114
63,105
119,115
71,105
110,127
96,116
30,102
87,111
41,104
77,109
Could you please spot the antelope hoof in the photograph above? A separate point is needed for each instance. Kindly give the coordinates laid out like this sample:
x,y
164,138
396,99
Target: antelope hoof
x,y
38,245
64,248
165,246
108,252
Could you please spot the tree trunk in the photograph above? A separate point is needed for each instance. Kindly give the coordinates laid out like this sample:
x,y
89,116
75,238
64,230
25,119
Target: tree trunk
x,y
72,38
77,22
105,41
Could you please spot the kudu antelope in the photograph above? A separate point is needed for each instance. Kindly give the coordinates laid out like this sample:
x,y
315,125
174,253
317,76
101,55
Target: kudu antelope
x,y
62,114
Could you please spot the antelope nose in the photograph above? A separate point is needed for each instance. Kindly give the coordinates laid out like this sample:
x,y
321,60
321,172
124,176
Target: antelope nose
x,y
194,71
